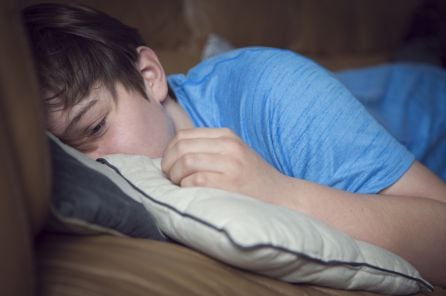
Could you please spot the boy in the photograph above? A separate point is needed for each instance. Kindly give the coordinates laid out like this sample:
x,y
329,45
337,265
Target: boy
x,y
263,122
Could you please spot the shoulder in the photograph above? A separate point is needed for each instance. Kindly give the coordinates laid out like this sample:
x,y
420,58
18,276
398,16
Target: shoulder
x,y
253,54
261,66
248,60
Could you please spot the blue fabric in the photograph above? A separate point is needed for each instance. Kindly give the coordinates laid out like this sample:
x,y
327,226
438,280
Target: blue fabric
x,y
410,101
296,115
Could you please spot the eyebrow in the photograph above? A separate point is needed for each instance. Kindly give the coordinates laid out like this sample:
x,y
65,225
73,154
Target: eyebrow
x,y
75,121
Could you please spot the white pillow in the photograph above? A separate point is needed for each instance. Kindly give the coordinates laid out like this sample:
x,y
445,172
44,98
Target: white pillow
x,y
264,238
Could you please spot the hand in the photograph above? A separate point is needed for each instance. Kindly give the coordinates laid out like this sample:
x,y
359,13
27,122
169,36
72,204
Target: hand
x,y
216,157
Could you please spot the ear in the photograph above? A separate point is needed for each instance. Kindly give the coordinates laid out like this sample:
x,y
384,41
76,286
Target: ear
x,y
152,73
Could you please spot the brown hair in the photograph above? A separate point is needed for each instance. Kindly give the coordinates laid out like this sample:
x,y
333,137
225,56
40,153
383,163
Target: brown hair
x,y
76,48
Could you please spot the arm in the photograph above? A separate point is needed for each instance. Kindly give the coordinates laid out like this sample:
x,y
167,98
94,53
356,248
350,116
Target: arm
x,y
408,218
411,226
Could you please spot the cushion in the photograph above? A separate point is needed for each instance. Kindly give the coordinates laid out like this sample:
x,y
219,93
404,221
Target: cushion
x,y
88,198
264,238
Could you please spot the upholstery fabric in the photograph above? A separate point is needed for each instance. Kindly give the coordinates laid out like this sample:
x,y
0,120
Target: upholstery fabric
x,y
24,166
108,265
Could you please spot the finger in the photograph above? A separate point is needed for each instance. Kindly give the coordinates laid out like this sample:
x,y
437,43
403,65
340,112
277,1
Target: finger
x,y
204,162
196,146
194,133
205,179
205,132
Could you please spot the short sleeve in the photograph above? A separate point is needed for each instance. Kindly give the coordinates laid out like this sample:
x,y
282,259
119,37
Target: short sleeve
x,y
313,128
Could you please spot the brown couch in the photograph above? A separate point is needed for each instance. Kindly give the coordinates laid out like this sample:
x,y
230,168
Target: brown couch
x,y
35,261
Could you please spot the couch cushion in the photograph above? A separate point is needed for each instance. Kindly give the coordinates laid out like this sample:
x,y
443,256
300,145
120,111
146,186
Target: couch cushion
x,y
110,265
115,266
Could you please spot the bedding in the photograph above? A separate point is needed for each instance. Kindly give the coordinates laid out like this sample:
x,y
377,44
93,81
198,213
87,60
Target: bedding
x,y
409,100
130,196
263,238
88,198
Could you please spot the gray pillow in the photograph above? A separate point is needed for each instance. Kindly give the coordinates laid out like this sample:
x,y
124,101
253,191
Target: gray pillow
x,y
88,198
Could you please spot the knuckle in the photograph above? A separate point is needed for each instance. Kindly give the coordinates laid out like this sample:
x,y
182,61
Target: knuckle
x,y
199,180
181,147
188,160
181,134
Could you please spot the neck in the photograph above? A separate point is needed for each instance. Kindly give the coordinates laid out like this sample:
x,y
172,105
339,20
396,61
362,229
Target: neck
x,y
179,117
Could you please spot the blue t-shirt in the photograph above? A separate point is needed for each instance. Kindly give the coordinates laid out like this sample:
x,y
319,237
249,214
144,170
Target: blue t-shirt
x,y
294,114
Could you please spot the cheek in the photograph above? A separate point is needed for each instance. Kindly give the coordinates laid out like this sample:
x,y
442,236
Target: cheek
x,y
146,132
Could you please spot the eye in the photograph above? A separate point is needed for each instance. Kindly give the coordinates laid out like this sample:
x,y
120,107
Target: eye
x,y
97,129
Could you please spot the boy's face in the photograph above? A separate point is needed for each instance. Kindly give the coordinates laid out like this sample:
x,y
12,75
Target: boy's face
x,y
101,125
